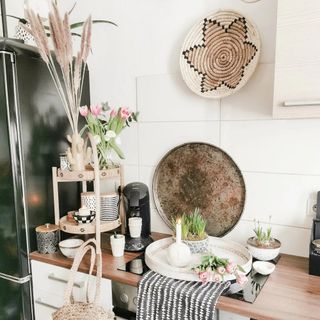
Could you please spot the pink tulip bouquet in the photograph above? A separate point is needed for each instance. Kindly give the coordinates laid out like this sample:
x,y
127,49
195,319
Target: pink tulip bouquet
x,y
214,269
106,124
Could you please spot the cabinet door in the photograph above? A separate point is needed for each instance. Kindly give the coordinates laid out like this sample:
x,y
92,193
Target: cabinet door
x,y
49,285
297,67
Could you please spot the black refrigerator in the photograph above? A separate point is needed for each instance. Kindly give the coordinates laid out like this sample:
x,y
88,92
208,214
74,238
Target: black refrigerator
x,y
33,127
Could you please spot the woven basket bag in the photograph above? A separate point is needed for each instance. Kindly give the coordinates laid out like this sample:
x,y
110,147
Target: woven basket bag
x,y
84,310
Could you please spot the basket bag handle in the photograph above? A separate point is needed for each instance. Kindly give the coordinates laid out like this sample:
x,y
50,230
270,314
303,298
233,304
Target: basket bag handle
x,y
95,259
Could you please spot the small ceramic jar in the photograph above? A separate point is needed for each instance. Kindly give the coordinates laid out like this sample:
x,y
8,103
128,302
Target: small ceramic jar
x,y
117,245
47,238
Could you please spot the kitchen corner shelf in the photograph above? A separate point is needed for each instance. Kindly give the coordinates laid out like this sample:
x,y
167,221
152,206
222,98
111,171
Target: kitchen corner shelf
x,y
90,228
94,175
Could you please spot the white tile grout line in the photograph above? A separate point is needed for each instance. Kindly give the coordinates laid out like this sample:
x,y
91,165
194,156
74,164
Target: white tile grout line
x,y
220,129
244,171
278,224
230,120
138,130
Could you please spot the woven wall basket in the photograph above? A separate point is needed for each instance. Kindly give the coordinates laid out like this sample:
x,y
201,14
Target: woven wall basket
x,y
220,54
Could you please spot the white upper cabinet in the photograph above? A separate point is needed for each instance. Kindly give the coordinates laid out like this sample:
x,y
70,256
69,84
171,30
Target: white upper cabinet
x,y
297,66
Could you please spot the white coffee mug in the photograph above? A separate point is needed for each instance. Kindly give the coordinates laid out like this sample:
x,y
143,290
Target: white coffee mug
x,y
135,226
117,245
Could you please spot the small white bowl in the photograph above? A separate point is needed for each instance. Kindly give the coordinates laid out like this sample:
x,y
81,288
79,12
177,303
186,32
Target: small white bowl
x,y
263,267
69,247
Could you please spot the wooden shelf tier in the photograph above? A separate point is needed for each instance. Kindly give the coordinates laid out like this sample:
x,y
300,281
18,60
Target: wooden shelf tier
x,y
90,228
87,175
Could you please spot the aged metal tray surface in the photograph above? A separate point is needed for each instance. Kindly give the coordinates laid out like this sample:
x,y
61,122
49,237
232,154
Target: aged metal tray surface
x,y
200,175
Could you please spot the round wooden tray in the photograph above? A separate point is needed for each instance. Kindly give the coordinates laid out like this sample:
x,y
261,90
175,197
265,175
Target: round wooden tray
x,y
75,228
156,258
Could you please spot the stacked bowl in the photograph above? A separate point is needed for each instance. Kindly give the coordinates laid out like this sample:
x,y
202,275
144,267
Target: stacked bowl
x,y
109,204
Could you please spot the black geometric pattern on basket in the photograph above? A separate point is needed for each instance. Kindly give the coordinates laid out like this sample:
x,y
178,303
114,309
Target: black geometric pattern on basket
x,y
224,54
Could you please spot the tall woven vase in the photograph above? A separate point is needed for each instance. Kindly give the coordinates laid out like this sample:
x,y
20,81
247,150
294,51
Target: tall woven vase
x,y
84,310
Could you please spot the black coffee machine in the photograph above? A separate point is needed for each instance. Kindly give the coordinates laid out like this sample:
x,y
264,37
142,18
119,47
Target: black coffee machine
x,y
314,249
137,204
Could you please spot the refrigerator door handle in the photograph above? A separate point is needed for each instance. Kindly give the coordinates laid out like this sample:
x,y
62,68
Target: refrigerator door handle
x,y
45,304
15,279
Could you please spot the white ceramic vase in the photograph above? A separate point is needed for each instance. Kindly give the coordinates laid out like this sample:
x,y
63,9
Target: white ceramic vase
x,y
178,254
78,156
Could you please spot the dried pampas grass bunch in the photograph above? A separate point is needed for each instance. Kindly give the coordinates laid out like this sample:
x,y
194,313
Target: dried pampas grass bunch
x,y
69,79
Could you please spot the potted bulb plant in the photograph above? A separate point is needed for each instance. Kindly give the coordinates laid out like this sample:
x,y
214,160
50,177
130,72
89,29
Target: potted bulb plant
x,y
263,246
193,231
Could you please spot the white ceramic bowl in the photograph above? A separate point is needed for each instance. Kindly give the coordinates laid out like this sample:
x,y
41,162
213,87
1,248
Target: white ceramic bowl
x,y
263,267
69,247
264,254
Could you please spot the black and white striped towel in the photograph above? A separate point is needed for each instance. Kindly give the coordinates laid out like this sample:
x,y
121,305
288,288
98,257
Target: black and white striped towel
x,y
163,298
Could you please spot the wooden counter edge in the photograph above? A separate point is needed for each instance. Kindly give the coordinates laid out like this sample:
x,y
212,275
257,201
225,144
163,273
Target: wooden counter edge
x,y
265,307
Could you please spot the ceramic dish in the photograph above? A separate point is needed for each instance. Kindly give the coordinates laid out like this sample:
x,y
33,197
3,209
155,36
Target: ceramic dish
x,y
200,175
156,258
69,247
84,219
263,267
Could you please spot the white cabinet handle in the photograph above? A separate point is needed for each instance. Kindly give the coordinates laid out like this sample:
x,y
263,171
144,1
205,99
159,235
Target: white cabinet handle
x,y
52,276
300,103
45,304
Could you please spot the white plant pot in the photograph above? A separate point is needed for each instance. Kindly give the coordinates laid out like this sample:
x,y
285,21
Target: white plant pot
x,y
200,246
264,253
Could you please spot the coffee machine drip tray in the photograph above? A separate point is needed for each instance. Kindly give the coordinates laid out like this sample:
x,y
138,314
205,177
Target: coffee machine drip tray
x,y
137,244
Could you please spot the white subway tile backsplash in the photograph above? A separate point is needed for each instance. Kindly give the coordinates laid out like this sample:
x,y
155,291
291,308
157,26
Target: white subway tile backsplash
x,y
157,224
254,100
284,197
278,146
156,139
131,173
167,98
294,241
129,144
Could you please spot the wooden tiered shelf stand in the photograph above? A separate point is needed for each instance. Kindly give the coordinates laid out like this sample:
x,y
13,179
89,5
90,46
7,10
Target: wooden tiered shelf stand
x,y
95,175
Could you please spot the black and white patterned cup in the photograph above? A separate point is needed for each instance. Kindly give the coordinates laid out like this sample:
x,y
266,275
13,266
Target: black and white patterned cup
x,y
47,238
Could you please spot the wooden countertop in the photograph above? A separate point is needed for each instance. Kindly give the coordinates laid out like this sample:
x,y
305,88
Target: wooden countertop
x,y
290,292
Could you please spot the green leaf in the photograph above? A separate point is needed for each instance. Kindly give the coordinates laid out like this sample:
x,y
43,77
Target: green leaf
x,y
117,149
80,24
241,269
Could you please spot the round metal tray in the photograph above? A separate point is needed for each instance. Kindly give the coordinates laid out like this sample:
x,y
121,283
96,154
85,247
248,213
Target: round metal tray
x,y
200,175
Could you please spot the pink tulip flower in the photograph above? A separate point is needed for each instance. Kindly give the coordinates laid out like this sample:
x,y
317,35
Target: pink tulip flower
x,y
113,112
125,113
217,277
84,111
241,279
231,267
221,270
96,109
204,276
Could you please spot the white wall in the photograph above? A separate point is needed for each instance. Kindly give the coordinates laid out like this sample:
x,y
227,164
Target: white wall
x,y
137,65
